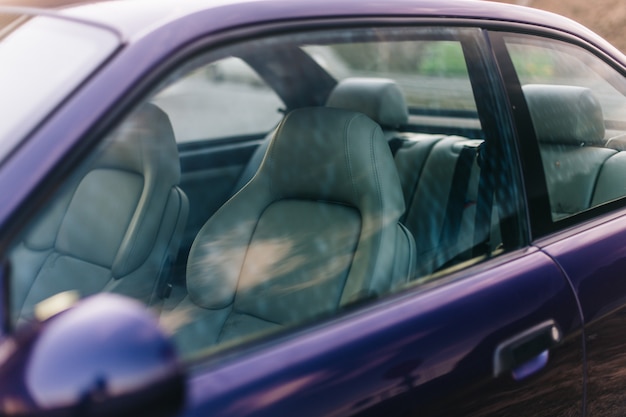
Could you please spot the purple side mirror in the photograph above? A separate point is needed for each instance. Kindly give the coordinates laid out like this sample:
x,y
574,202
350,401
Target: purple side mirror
x,y
104,356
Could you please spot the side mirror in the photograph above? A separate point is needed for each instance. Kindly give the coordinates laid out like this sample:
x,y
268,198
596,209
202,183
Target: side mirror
x,y
105,356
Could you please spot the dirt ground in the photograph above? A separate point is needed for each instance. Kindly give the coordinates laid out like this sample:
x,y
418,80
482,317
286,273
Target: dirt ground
x,y
605,17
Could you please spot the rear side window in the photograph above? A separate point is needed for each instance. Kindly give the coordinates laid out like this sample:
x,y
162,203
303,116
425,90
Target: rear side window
x,y
577,104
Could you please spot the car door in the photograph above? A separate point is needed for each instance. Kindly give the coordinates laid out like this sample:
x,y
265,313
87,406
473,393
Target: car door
x,y
582,229
496,333
488,324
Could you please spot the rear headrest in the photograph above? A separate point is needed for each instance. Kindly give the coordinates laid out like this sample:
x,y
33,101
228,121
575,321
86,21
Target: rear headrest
x,y
378,98
565,114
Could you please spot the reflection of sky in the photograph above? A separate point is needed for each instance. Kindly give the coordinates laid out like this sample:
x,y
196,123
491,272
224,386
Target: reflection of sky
x,y
102,343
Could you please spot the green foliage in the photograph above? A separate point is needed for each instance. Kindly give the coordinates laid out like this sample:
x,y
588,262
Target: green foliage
x,y
443,59
532,62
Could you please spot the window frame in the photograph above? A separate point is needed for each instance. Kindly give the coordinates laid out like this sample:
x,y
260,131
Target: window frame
x,y
482,73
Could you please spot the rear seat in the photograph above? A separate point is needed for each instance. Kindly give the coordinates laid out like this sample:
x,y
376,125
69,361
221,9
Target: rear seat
x,y
426,164
441,188
581,171
378,98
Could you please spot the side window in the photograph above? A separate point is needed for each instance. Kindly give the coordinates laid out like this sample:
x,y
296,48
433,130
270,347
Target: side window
x,y
222,99
380,177
578,108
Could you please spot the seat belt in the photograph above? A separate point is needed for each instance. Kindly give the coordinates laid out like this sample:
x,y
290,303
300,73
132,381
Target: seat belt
x,y
395,143
484,205
448,240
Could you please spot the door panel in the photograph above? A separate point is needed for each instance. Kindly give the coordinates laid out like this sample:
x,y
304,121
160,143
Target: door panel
x,y
581,181
594,260
426,353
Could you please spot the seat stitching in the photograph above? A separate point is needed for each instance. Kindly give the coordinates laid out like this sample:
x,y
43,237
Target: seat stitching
x,y
380,199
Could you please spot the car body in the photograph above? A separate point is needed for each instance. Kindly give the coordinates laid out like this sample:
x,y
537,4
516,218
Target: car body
x,y
472,264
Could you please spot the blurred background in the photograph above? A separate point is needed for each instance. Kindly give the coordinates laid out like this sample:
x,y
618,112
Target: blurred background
x,y
605,17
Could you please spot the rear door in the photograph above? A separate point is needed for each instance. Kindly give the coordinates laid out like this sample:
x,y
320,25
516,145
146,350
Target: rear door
x,y
584,229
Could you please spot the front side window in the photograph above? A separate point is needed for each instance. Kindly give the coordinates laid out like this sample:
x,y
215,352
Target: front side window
x,y
577,104
368,182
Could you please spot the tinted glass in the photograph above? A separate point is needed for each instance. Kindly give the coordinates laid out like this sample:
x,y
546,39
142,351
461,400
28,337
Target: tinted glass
x,y
222,99
354,196
578,106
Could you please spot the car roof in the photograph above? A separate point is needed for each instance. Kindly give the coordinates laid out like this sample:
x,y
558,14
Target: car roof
x,y
133,17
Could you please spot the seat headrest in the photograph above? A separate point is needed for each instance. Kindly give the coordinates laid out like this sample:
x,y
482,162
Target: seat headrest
x,y
378,98
565,114
332,155
145,144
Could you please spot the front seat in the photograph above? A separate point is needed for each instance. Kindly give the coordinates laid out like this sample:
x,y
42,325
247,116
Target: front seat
x,y
315,230
117,227
380,99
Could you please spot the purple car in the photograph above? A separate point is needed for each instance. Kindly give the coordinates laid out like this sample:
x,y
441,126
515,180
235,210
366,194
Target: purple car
x,y
318,209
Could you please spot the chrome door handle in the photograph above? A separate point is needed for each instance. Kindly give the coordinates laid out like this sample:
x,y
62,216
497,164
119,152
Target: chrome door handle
x,y
528,352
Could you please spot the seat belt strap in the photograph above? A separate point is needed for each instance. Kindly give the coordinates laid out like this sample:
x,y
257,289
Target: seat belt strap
x,y
484,205
448,248
457,197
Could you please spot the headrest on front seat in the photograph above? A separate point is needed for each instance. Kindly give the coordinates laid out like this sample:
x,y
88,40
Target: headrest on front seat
x,y
565,114
120,199
378,98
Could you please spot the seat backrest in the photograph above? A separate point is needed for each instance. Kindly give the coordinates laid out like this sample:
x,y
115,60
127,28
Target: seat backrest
x,y
116,227
569,126
378,98
441,195
315,229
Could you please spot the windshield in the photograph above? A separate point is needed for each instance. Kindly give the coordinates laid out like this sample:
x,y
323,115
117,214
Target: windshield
x,y
42,60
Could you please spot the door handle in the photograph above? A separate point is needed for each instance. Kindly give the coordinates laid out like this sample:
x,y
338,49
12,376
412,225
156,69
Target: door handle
x,y
526,353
